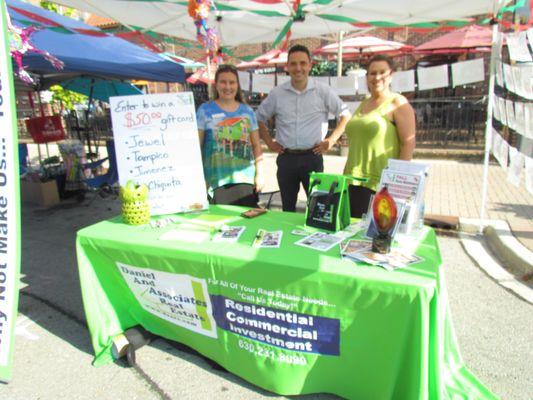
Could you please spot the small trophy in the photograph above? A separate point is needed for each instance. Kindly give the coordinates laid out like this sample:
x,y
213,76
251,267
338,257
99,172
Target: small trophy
x,y
385,215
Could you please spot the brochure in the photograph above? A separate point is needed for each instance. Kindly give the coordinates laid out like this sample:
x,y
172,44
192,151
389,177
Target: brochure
x,y
299,232
267,239
351,230
320,241
229,234
355,246
359,250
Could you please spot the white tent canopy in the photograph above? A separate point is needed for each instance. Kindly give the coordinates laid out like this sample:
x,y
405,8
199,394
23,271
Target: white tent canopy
x,y
256,21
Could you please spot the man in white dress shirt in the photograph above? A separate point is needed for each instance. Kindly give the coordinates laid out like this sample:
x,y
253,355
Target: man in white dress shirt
x,y
300,109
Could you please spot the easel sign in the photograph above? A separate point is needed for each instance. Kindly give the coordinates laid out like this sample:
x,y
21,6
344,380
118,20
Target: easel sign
x,y
156,141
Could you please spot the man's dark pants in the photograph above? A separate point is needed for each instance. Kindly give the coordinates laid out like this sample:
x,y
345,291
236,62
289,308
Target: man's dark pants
x,y
293,169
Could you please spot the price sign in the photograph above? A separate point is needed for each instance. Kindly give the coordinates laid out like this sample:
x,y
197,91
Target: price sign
x,y
156,140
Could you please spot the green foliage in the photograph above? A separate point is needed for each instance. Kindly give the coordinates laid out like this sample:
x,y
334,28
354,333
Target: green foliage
x,y
324,68
66,98
66,11
329,68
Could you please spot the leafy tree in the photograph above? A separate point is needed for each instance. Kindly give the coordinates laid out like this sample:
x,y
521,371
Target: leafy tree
x,y
329,68
324,68
66,11
66,98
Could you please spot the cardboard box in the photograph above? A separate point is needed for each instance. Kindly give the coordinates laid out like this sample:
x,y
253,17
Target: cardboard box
x,y
44,194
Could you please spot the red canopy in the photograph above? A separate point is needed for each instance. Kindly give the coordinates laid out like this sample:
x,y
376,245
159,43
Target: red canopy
x,y
201,76
362,46
271,58
470,39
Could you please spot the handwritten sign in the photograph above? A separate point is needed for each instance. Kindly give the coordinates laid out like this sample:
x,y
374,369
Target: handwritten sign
x,y
156,140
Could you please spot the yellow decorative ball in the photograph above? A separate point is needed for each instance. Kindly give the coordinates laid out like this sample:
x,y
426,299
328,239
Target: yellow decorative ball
x,y
135,205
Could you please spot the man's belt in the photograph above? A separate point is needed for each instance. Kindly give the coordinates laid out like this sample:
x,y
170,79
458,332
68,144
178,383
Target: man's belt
x,y
298,151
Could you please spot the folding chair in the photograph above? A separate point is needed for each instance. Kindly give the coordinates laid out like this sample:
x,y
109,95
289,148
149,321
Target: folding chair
x,y
79,173
110,178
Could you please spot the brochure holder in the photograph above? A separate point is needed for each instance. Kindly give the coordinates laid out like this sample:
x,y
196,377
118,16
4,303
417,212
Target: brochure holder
x,y
328,204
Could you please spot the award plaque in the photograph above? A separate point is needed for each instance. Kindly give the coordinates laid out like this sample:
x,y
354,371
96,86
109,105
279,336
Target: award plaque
x,y
385,215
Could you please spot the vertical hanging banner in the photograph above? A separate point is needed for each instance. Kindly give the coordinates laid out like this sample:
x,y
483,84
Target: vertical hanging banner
x,y
9,205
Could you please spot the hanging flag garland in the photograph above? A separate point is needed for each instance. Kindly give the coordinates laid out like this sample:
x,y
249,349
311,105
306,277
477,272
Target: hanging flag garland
x,y
20,44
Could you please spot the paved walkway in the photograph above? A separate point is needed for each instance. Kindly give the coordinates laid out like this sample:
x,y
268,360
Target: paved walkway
x,y
454,189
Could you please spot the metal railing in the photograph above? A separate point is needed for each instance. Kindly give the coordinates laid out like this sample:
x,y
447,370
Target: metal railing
x,y
447,122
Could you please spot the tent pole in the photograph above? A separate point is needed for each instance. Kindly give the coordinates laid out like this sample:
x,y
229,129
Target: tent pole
x,y
87,116
488,123
339,54
41,109
208,77
34,114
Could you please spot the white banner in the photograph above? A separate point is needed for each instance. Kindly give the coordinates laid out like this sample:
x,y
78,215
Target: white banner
x,y
516,165
509,110
529,174
262,83
9,205
322,79
432,77
517,45
508,77
403,81
496,109
362,87
500,149
284,78
519,117
244,80
528,120
180,299
468,72
344,85
156,141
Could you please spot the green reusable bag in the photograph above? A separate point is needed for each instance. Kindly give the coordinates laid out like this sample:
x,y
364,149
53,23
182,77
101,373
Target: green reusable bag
x,y
328,206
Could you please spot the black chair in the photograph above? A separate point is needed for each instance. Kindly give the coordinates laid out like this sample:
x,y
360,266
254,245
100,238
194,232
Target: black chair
x,y
267,198
238,194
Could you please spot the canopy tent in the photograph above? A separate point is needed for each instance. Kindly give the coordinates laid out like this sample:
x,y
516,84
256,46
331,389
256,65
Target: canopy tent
x,y
256,21
86,50
271,58
470,39
362,46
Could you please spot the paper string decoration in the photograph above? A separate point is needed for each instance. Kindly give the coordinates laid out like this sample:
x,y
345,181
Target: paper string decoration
x,y
207,36
20,44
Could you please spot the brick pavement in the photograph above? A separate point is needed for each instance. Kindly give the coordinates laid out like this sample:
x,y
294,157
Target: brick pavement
x,y
454,189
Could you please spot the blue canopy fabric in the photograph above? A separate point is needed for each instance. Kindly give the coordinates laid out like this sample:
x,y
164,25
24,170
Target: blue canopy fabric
x,y
100,89
86,50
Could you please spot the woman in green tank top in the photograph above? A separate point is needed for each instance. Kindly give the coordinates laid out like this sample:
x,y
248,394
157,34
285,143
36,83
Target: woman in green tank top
x,y
383,127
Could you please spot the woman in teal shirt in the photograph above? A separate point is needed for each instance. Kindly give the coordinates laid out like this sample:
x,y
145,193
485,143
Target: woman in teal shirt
x,y
382,127
231,149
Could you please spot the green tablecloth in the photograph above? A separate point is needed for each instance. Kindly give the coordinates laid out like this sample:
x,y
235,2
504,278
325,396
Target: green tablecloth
x,y
291,320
